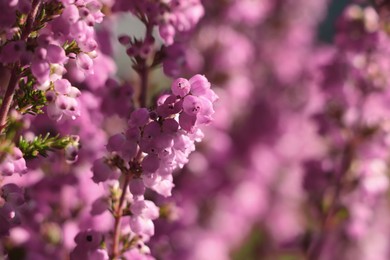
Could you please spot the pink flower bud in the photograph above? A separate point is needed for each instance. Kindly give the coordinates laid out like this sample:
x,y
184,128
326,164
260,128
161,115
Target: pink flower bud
x,y
137,187
84,61
187,122
192,105
199,85
181,87
150,163
71,14
62,86
41,70
167,33
101,171
139,117
116,142
55,54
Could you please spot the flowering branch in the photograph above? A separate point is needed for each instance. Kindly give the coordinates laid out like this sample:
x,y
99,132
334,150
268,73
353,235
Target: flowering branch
x,y
15,73
142,69
316,249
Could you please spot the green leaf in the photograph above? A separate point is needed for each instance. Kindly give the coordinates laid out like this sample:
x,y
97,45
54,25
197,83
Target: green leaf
x,y
29,100
41,145
71,47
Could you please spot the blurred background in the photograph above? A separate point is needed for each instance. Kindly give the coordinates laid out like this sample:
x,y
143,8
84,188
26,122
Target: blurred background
x,y
286,169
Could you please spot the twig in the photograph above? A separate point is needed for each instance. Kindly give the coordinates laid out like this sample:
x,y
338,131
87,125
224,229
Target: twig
x,y
118,216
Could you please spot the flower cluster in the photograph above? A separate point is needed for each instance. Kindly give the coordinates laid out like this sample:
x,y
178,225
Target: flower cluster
x,y
62,100
356,90
46,44
155,144
172,17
